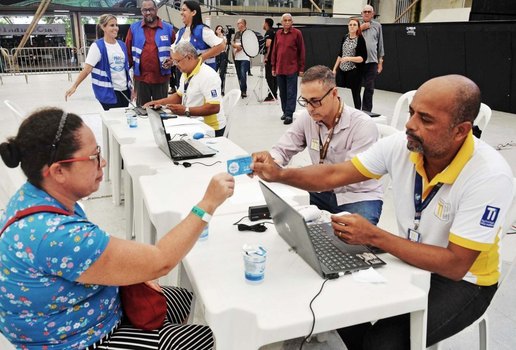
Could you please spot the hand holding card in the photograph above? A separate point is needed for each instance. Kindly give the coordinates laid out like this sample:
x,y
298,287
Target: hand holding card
x,y
240,165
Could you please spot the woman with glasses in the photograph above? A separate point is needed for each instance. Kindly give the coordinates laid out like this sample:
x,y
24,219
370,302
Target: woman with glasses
x,y
60,273
207,44
108,64
348,66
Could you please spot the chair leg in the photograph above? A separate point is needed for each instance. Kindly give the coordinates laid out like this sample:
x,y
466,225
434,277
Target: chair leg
x,y
483,331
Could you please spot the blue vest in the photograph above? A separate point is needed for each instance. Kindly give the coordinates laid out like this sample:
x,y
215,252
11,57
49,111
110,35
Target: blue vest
x,y
163,45
101,74
197,42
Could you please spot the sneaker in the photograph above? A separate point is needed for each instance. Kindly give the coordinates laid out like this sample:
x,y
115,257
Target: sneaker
x,y
283,117
287,121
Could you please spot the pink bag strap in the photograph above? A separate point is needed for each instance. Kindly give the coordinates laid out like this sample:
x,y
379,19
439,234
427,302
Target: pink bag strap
x,y
33,210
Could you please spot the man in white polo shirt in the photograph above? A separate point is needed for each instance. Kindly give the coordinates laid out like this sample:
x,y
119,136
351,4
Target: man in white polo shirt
x,y
451,195
198,94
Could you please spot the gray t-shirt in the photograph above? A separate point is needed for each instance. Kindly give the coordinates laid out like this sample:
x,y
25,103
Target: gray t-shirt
x,y
374,42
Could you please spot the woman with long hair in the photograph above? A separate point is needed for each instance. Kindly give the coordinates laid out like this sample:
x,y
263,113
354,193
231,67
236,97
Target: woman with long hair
x,y
108,64
352,54
207,44
221,61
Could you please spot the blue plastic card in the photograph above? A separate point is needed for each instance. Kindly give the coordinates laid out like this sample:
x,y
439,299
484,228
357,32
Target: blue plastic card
x,y
240,165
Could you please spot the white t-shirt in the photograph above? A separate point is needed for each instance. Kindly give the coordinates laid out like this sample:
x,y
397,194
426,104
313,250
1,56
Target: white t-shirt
x,y
240,55
208,36
116,59
468,210
203,87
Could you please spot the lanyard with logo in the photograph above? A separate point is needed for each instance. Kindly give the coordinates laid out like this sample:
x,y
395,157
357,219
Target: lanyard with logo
x,y
323,151
187,82
420,205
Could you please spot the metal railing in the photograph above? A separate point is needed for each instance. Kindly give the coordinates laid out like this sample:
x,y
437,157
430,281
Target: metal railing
x,y
41,60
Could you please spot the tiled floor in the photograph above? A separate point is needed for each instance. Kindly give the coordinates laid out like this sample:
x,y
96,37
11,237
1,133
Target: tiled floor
x,y
256,127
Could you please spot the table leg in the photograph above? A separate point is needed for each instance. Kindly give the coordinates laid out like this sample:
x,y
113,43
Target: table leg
x,y
105,149
128,205
418,330
116,171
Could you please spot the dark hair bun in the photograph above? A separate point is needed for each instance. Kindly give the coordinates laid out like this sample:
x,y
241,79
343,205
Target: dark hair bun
x,y
10,154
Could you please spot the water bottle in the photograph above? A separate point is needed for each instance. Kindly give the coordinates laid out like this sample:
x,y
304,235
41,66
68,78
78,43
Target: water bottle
x,y
204,233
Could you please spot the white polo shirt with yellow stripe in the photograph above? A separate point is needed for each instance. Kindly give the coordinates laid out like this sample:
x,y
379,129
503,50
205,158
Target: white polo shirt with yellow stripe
x,y
203,86
468,210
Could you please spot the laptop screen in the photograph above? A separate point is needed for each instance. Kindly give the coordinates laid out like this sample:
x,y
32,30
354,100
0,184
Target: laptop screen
x,y
158,130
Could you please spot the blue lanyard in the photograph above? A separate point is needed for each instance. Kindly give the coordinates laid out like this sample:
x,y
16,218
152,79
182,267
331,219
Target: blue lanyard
x,y
418,194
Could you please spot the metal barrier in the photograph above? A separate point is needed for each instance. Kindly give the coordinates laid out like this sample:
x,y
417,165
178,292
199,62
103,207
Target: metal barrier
x,y
41,60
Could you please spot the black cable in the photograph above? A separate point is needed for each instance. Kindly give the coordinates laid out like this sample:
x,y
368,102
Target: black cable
x,y
242,218
313,315
180,135
255,227
189,164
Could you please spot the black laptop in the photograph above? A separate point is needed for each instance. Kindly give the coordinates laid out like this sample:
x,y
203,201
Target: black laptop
x,y
316,243
176,150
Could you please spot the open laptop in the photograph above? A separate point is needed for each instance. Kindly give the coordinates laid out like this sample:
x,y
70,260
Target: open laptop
x,y
176,150
316,243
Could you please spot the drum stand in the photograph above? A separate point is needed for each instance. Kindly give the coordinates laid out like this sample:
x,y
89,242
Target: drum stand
x,y
259,83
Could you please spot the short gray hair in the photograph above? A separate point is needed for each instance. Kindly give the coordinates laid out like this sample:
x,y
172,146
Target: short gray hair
x,y
319,73
185,48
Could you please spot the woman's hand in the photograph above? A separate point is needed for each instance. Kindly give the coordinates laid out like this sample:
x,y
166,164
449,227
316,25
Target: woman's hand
x,y
154,285
220,188
70,92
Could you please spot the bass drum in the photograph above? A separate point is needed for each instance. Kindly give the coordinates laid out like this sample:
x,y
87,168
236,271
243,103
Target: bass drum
x,y
252,43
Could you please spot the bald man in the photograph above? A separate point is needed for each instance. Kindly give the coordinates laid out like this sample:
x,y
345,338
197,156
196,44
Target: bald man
x,y
451,194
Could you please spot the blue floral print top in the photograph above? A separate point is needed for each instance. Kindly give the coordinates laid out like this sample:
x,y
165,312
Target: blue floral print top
x,y
41,257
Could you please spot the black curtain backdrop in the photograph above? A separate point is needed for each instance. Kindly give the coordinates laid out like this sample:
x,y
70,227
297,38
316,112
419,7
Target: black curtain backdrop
x,y
483,51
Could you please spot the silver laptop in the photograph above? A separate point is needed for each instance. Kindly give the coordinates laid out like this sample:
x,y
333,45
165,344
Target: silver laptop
x,y
176,150
316,243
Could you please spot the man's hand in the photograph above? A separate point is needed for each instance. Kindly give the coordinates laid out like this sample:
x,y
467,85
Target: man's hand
x,y
365,26
273,73
167,63
380,66
177,108
353,228
301,74
265,167
152,104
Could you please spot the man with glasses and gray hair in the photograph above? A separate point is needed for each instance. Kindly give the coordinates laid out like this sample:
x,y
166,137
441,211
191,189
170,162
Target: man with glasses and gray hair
x,y
372,33
148,46
333,134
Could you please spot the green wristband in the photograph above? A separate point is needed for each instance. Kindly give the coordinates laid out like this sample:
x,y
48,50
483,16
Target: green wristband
x,y
201,213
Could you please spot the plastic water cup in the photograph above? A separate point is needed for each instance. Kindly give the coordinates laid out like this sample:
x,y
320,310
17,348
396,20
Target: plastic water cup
x,y
133,123
204,233
255,258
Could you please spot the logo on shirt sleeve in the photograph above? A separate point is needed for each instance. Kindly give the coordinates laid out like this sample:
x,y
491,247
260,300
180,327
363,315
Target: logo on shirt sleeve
x,y
213,93
490,216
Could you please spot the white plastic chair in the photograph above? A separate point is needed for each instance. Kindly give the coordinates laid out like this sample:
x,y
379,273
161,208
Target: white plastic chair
x,y
483,117
482,321
386,130
400,115
18,112
228,104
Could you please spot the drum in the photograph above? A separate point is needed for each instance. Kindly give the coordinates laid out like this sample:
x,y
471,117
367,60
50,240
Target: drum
x,y
252,43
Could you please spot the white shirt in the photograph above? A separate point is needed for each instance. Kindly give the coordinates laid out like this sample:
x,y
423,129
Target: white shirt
x,y
468,210
116,59
208,36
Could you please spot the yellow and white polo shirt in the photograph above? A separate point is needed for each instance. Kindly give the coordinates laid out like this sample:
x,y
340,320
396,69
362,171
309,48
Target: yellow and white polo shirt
x,y
468,210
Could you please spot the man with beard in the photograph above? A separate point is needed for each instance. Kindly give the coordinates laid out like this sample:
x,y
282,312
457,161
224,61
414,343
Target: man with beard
x,y
451,195
148,46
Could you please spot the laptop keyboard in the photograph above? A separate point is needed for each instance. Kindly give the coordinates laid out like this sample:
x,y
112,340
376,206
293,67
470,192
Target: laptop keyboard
x,y
183,148
329,254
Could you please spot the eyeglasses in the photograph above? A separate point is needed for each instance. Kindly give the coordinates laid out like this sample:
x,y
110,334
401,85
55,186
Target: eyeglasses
x,y
315,103
175,62
148,10
367,11
96,156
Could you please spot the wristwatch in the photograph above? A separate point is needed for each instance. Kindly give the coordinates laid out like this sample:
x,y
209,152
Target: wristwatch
x,y
187,112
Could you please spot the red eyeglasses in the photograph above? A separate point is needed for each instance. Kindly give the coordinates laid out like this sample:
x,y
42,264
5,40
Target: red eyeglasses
x,y
78,159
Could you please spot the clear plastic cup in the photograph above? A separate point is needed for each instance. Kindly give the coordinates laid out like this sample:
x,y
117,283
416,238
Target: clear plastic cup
x,y
255,258
204,233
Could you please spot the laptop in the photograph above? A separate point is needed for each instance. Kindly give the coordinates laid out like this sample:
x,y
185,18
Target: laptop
x,y
176,150
316,243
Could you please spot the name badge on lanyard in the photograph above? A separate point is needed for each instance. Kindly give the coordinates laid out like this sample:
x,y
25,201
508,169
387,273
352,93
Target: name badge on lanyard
x,y
413,234
314,145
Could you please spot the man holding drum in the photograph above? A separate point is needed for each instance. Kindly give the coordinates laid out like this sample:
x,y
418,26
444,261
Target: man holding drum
x,y
242,62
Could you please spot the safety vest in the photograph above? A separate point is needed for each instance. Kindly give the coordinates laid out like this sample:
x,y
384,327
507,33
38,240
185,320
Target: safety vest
x,y
162,39
197,42
101,74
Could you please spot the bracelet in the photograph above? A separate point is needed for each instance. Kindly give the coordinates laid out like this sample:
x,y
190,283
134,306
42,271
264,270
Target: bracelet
x,y
201,213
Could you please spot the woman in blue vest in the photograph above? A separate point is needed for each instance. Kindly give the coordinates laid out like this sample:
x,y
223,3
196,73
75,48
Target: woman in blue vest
x,y
205,41
108,64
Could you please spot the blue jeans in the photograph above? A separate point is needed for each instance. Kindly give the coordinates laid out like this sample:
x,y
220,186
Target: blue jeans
x,y
370,73
371,210
287,85
452,306
242,67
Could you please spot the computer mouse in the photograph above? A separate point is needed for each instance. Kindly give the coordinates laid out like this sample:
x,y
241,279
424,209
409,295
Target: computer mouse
x,y
310,213
198,135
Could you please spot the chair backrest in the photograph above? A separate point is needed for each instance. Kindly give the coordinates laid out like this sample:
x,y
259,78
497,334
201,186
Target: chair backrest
x,y
385,130
228,104
400,115
18,112
483,117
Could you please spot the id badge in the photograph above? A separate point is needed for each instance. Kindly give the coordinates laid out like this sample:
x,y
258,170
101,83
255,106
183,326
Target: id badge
x,y
314,144
414,236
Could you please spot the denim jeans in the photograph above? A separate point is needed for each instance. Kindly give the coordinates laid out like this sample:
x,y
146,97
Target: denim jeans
x,y
287,85
370,210
370,73
452,306
242,67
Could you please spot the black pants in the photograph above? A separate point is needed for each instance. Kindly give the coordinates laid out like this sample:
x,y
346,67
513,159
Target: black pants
x,y
148,92
121,101
370,73
351,79
452,306
271,80
222,66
